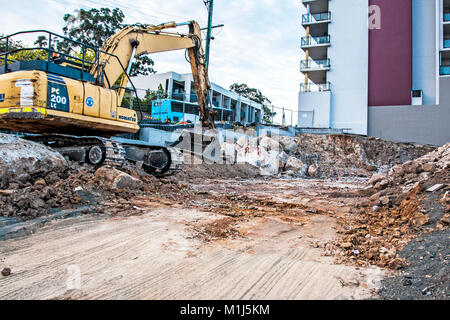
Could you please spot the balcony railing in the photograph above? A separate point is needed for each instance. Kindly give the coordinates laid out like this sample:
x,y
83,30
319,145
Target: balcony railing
x,y
308,1
315,87
315,65
308,18
315,41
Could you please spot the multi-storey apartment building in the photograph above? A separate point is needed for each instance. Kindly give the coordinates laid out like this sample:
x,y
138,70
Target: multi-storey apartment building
x,y
181,96
377,67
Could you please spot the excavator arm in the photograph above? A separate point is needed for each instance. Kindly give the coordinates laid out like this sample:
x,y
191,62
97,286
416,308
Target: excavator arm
x,y
134,41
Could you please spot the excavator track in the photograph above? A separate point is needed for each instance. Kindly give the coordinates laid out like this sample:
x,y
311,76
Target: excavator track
x,y
90,149
104,151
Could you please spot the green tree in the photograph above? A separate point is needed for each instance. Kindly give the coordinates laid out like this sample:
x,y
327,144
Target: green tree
x,y
93,27
20,55
12,45
257,96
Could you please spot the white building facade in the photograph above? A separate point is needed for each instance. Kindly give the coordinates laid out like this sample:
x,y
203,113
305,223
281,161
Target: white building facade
x,y
377,67
180,88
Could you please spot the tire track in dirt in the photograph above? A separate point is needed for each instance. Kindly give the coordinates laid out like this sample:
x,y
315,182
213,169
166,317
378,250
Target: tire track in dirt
x,y
155,256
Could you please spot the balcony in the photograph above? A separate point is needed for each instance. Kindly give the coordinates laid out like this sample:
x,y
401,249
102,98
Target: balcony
x,y
178,95
309,18
315,65
313,87
445,70
447,16
446,43
323,41
308,1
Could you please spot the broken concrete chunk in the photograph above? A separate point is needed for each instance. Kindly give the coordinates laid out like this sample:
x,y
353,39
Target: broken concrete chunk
x,y
270,144
375,179
313,170
20,159
294,164
117,179
436,187
242,142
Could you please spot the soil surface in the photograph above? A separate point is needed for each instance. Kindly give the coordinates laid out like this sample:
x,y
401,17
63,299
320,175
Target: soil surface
x,y
427,274
195,249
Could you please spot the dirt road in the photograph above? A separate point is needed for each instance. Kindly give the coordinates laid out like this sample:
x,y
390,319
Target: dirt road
x,y
159,255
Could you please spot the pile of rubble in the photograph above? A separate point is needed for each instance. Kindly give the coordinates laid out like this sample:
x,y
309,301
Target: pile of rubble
x,y
21,160
320,156
102,190
393,213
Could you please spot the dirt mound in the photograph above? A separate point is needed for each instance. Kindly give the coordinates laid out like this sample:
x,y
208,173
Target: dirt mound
x,y
321,156
394,212
104,190
332,156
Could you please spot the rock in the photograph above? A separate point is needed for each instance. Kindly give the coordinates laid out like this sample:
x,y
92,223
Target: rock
x,y
426,291
429,167
376,208
270,144
415,167
242,142
398,171
40,183
444,223
116,179
375,197
436,187
268,162
294,164
6,272
313,170
20,159
346,245
420,219
385,200
37,203
228,151
375,179
290,148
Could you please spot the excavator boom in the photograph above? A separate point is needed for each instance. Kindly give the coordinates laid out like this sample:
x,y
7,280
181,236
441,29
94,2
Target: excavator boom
x,y
133,41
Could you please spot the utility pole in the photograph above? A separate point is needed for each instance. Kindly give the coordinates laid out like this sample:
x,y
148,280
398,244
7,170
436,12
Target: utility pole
x,y
210,6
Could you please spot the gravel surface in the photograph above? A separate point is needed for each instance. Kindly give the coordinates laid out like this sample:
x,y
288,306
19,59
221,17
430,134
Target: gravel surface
x,y
427,275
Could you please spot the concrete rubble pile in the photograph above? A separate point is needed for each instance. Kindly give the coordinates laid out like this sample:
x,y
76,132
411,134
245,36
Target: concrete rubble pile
x,y
320,156
20,158
391,211
35,181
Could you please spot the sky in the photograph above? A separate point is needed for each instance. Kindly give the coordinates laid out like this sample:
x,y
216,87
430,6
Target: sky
x,y
259,44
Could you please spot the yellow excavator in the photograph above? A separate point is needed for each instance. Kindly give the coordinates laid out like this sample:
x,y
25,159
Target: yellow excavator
x,y
71,99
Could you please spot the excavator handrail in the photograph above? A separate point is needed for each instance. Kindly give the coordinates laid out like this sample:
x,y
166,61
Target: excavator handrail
x,y
50,50
49,32
49,47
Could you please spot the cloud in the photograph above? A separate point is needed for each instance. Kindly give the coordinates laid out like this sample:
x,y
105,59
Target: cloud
x,y
259,45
